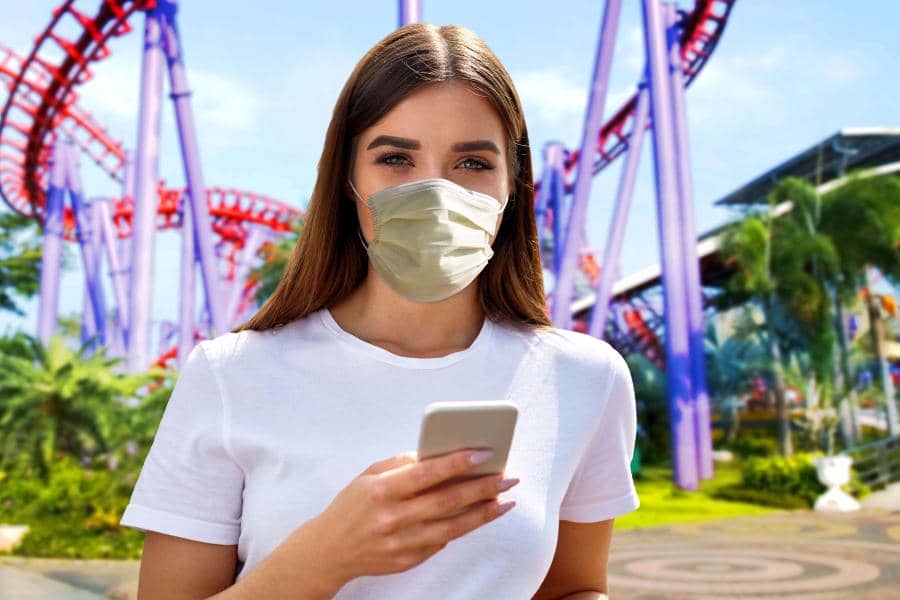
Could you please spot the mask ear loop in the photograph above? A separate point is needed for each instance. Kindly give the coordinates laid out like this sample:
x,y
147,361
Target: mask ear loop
x,y
504,205
361,239
358,229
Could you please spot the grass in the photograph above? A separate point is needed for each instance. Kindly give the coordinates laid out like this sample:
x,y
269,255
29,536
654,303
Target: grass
x,y
663,503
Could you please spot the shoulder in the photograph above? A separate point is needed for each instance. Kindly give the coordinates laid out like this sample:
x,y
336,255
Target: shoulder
x,y
248,346
581,354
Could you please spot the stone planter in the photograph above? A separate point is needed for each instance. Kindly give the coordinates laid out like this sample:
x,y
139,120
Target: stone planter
x,y
833,472
11,536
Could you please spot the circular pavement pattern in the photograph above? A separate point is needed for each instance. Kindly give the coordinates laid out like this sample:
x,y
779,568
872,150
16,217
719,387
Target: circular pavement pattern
x,y
801,554
750,571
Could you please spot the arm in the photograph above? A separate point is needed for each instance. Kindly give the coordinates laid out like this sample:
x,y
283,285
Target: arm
x,y
179,568
297,568
578,569
176,568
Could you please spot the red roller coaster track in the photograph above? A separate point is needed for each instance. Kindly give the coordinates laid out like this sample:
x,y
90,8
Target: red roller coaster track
x,y
41,106
700,32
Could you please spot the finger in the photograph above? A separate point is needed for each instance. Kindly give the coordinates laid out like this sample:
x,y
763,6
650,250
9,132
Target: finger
x,y
410,479
442,500
443,531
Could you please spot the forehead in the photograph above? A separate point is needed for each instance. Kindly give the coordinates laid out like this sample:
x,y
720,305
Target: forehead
x,y
442,114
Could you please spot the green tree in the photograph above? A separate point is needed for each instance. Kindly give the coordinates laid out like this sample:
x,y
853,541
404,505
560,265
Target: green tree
x,y
55,400
862,218
652,408
731,364
275,259
20,260
782,264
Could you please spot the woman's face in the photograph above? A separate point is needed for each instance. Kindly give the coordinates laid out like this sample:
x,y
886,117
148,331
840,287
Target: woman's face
x,y
443,130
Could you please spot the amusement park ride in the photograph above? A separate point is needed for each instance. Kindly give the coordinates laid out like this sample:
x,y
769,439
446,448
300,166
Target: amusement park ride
x,y
44,133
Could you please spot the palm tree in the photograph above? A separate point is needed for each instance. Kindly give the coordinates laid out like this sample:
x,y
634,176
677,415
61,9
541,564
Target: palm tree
x,y
782,265
652,407
54,400
731,364
862,217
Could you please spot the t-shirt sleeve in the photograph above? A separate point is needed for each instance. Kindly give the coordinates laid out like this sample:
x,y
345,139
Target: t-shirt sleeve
x,y
189,485
602,487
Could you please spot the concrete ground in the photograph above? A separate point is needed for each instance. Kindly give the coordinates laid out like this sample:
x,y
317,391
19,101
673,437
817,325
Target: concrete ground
x,y
788,554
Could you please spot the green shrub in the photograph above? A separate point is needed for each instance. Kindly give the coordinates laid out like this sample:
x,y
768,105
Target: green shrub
x,y
794,476
752,443
738,493
786,482
74,513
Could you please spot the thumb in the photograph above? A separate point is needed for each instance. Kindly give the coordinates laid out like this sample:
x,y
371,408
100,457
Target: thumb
x,y
398,460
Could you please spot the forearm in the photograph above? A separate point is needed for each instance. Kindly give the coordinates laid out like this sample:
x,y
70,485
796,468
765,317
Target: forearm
x,y
295,569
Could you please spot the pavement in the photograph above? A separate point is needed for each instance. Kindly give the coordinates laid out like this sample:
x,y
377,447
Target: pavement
x,y
799,554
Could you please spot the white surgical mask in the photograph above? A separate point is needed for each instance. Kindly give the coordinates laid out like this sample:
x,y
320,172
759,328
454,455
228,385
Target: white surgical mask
x,y
432,237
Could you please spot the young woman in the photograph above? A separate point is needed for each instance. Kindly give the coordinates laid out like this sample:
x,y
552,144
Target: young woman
x,y
282,465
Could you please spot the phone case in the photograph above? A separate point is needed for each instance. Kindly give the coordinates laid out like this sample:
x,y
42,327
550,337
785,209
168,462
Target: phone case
x,y
450,426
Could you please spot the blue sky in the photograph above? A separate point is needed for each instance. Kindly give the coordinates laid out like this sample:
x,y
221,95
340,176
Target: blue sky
x,y
265,76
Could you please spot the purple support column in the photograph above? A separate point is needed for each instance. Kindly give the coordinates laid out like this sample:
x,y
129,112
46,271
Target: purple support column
x,y
620,216
681,417
116,341
48,300
190,155
542,200
410,11
123,249
90,328
188,287
258,236
557,190
696,321
146,175
166,330
565,282
85,234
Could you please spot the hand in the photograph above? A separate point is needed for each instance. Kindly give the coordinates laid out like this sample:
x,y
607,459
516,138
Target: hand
x,y
386,519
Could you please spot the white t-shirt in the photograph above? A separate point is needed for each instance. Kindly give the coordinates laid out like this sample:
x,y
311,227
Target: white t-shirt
x,y
263,429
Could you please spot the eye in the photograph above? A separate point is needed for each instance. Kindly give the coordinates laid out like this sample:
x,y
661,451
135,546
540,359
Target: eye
x,y
481,164
388,159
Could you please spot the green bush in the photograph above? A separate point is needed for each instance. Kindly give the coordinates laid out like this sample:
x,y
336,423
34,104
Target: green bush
x,y
74,513
786,482
752,443
738,493
794,476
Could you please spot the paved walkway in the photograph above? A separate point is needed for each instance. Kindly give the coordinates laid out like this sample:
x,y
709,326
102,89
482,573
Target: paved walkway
x,y
788,554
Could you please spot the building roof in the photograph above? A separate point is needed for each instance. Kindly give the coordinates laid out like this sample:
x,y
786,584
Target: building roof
x,y
829,159
877,149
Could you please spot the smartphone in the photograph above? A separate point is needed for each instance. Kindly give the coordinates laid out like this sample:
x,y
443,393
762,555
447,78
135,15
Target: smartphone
x,y
468,424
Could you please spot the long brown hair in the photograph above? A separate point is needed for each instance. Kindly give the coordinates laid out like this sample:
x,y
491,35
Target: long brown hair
x,y
328,262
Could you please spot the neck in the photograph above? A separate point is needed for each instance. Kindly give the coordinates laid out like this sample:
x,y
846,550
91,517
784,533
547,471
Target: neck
x,y
377,314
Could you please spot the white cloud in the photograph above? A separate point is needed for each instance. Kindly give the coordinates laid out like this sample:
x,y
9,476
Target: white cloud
x,y
738,87
843,68
225,109
551,96
631,48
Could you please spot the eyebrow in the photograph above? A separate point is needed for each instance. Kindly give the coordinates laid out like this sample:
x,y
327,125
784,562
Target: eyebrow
x,y
408,144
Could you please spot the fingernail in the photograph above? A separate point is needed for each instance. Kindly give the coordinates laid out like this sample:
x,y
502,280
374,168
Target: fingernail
x,y
505,506
506,484
481,457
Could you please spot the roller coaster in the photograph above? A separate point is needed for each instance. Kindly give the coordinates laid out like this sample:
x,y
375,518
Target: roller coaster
x,y
44,131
